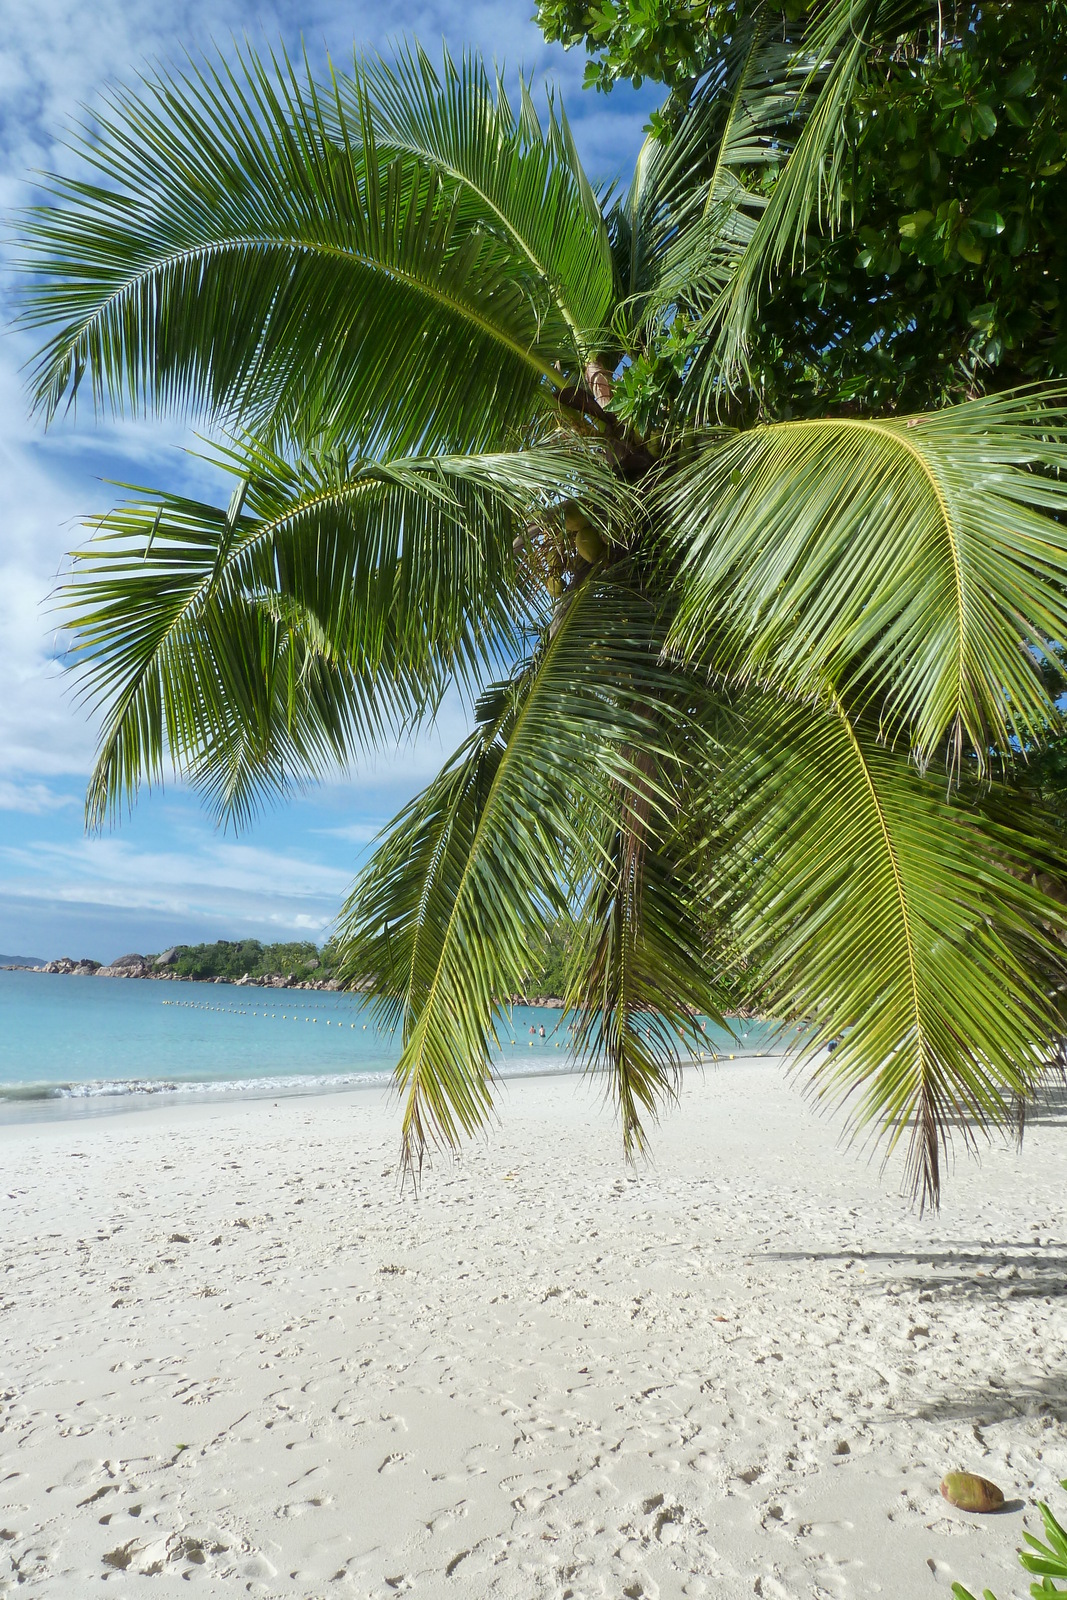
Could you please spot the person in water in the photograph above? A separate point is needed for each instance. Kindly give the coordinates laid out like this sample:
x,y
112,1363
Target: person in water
x,y
541,1031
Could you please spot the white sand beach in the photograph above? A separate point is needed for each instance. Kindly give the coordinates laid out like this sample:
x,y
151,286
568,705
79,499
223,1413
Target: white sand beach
x,y
233,1353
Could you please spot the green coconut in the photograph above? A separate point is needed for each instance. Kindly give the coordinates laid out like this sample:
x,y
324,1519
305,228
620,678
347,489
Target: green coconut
x,y
971,1493
554,585
588,543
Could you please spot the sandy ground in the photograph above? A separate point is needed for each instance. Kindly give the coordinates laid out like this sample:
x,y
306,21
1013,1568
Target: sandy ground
x,y
232,1353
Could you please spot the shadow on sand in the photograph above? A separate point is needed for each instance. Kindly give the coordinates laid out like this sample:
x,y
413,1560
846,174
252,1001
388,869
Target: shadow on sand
x,y
1001,1400
1049,1107
1001,1270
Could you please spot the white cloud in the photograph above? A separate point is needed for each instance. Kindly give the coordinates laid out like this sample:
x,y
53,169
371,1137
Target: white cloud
x,y
32,798
40,734
353,832
215,882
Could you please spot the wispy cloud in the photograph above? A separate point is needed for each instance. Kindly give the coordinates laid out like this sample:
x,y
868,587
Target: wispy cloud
x,y
217,881
353,832
32,798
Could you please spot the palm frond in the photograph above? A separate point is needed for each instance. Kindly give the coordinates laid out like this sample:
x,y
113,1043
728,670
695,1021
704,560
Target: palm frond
x,y
918,560
441,924
514,178
244,247
832,61
329,605
906,927
695,201
639,971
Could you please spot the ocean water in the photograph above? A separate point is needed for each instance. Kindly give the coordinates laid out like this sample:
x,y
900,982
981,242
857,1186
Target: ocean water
x,y
87,1045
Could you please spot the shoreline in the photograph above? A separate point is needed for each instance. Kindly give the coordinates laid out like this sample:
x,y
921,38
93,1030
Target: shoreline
x,y
84,1048
46,1103
66,968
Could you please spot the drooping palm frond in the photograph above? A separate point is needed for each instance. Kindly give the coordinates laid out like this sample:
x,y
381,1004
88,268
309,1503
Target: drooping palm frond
x,y
391,929
442,922
327,606
245,246
905,926
914,560
640,974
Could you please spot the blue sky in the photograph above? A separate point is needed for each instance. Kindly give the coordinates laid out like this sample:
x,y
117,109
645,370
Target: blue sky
x,y
166,874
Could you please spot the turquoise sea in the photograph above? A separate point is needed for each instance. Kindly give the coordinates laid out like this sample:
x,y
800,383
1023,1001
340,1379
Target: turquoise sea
x,y
88,1045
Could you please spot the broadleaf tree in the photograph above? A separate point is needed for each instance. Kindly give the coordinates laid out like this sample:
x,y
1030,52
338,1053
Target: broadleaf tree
x,y
745,691
932,266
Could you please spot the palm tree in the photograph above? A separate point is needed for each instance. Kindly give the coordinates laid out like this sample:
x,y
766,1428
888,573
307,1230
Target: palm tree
x,y
745,690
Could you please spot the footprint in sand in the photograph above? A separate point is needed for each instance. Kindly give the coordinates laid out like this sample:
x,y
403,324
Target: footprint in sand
x,y
121,1557
299,1508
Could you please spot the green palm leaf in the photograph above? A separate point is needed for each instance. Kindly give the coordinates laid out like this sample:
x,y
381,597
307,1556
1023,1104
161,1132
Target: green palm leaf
x,y
640,969
904,925
519,183
246,247
694,204
328,606
912,557
442,922
831,61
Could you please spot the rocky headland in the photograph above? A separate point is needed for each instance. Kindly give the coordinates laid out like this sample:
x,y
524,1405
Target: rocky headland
x,y
163,967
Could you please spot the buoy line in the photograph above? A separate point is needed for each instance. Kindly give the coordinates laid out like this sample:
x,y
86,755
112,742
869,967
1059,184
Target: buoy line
x,y
285,1016
265,1016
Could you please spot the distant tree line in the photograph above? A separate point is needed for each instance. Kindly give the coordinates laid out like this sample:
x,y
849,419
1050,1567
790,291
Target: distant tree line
x,y
547,973
301,959
233,958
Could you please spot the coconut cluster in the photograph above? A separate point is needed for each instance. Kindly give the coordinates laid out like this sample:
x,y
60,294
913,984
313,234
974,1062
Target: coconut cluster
x,y
558,550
